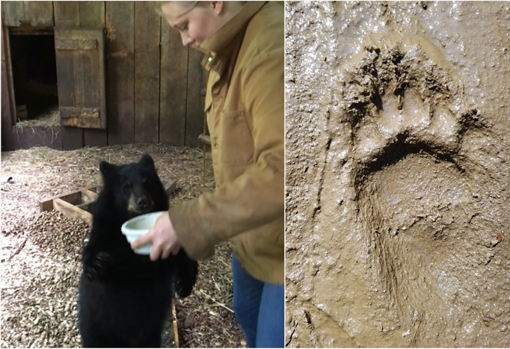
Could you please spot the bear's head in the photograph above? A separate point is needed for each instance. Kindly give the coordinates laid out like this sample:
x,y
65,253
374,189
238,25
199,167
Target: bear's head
x,y
134,188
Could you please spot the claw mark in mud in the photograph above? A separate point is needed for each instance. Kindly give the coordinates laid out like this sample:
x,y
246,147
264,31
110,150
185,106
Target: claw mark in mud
x,y
292,333
400,96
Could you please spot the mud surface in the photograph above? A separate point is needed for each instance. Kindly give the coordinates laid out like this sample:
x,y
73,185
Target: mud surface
x,y
398,123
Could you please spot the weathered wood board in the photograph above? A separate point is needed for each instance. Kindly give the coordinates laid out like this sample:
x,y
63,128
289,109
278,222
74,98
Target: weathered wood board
x,y
8,139
27,13
174,69
67,16
147,63
38,136
120,69
82,94
151,83
92,15
195,101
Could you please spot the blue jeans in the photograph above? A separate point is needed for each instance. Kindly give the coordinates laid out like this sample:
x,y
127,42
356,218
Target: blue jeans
x,y
259,309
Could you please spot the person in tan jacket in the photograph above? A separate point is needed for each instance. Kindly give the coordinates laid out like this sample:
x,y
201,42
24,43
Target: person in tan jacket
x,y
244,54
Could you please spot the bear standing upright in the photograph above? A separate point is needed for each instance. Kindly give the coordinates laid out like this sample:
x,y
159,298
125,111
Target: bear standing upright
x,y
123,297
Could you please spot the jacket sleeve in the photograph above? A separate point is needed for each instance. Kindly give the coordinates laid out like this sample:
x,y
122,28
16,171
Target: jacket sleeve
x,y
256,197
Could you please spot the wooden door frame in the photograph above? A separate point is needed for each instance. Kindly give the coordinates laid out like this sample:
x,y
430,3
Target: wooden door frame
x,y
8,70
9,116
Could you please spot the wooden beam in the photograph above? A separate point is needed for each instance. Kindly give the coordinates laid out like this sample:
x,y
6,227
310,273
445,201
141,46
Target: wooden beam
x,y
73,198
195,102
147,70
39,13
92,15
8,110
173,94
174,323
89,195
67,15
84,206
34,136
120,71
72,211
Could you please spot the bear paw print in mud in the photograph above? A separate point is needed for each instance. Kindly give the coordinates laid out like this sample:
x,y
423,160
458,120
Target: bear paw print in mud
x,y
396,185
401,92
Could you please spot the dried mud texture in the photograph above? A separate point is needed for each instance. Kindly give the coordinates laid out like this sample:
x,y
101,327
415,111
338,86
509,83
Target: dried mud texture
x,y
397,174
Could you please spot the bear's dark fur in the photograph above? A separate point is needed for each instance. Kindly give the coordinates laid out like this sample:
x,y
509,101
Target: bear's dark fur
x,y
123,297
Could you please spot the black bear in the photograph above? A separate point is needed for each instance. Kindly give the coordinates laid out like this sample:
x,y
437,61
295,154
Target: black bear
x,y
123,297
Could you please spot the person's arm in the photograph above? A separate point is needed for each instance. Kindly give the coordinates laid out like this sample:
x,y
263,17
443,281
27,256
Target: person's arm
x,y
257,196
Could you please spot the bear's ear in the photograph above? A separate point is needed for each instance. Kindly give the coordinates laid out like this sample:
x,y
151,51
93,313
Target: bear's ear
x,y
107,169
146,161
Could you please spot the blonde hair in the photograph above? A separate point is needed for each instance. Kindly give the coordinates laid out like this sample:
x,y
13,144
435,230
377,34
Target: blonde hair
x,y
183,5
186,6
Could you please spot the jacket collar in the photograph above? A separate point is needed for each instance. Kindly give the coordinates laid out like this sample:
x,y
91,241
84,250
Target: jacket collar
x,y
223,36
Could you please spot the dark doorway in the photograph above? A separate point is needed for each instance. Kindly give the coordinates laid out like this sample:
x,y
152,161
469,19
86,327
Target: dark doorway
x,y
34,70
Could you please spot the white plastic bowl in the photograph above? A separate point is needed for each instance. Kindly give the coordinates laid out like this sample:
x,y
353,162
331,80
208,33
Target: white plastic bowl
x,y
138,226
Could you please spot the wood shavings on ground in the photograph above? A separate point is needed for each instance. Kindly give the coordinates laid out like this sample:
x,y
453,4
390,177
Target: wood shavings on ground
x,y
40,251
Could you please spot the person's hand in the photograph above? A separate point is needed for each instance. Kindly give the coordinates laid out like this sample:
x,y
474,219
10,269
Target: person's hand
x,y
163,238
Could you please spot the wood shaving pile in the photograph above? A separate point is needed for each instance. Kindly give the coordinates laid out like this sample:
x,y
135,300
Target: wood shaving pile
x,y
41,251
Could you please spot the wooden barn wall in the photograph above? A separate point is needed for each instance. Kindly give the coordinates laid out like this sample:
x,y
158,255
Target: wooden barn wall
x,y
7,103
153,84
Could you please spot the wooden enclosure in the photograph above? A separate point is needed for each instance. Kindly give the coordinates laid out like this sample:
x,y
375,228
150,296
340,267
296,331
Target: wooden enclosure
x,y
113,71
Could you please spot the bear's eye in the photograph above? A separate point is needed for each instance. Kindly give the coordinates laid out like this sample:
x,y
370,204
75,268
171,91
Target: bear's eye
x,y
126,187
146,180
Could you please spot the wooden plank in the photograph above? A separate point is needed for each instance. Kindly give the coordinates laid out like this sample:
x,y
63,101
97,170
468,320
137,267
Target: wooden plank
x,y
84,206
75,44
72,198
88,195
174,73
35,136
39,13
8,139
95,137
13,13
174,323
92,15
72,138
195,101
9,76
67,15
147,66
84,104
72,211
120,70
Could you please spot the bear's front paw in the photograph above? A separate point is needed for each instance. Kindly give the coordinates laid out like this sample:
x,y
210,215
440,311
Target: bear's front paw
x,y
97,265
182,288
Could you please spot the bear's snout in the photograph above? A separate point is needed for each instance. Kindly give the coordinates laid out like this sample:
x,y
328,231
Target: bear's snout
x,y
142,202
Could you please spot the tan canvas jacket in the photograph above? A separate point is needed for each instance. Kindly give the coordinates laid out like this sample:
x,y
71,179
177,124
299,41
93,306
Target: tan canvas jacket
x,y
245,115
